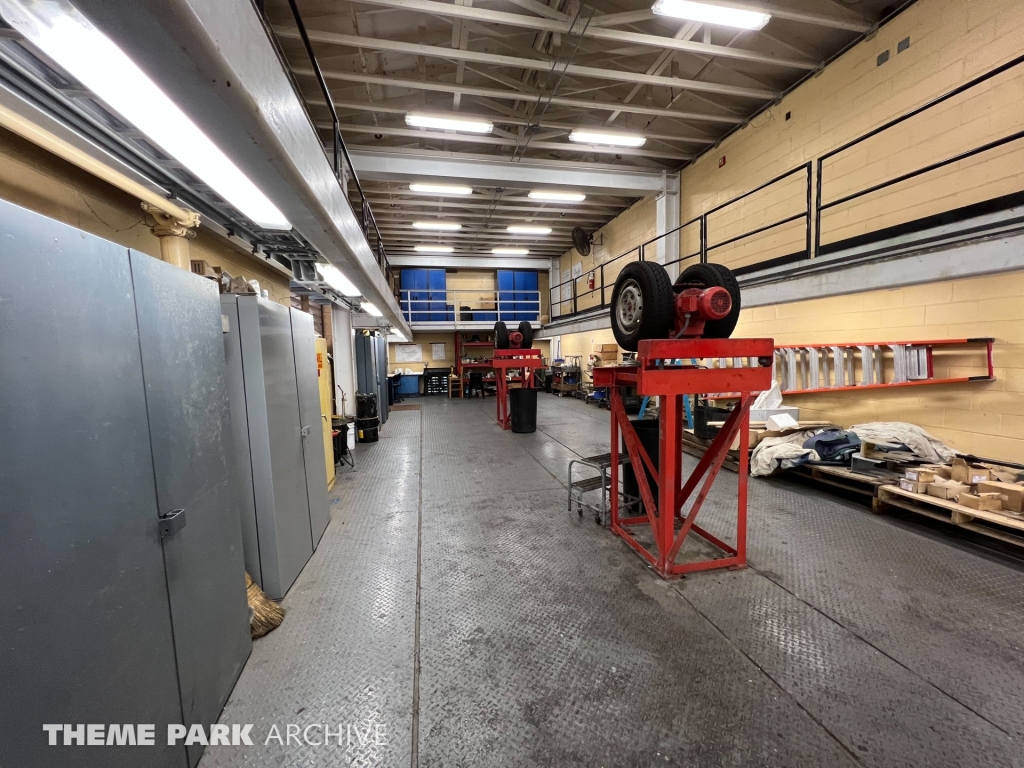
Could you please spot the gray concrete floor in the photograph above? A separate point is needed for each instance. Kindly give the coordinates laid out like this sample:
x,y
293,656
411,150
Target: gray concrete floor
x,y
454,603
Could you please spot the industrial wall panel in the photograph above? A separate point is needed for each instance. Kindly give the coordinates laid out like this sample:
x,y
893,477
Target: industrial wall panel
x,y
282,517
86,632
180,335
311,423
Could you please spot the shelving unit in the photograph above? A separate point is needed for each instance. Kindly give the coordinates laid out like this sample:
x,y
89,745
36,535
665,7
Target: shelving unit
x,y
461,368
565,377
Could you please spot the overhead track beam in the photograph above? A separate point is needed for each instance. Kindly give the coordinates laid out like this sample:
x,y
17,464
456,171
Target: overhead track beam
x,y
519,62
597,33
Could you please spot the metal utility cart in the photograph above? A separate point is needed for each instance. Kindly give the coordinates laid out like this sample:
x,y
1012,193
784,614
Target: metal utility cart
x,y
566,376
599,482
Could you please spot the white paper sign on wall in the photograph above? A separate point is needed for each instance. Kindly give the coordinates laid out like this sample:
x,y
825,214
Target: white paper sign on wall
x,y
408,353
566,285
577,269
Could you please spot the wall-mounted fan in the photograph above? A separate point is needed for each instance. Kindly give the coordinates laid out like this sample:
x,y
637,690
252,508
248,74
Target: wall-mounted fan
x,y
581,241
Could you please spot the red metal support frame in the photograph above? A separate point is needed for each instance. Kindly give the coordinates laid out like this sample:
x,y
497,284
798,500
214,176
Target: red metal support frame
x,y
505,360
657,374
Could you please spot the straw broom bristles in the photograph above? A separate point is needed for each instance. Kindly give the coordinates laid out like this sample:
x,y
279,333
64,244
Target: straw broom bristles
x,y
266,614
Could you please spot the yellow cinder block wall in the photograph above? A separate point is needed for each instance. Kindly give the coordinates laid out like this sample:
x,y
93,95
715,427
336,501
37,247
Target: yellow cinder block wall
x,y
425,340
951,42
985,418
628,230
41,182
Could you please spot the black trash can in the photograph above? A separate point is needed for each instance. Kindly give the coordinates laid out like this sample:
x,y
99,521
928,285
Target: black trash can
x,y
649,432
366,405
523,407
367,430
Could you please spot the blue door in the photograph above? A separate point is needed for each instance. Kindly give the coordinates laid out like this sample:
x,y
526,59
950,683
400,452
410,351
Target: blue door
x,y
415,282
526,295
506,296
436,284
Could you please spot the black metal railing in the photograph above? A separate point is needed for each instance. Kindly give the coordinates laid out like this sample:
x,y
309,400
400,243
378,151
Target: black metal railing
x,y
702,254
344,170
821,206
813,172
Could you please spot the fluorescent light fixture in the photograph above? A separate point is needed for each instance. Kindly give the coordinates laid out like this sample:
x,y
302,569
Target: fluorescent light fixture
x,y
510,251
92,58
558,197
370,309
333,277
433,248
441,189
397,337
710,13
449,123
522,229
605,137
438,226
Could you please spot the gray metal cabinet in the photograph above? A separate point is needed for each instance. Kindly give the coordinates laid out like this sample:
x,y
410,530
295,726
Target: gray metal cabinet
x,y
285,508
113,413
311,419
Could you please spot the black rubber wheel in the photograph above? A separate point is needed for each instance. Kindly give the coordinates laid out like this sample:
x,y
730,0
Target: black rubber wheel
x,y
527,330
642,304
500,335
711,276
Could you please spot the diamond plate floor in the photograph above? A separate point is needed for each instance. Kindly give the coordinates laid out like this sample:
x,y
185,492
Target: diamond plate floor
x,y
536,638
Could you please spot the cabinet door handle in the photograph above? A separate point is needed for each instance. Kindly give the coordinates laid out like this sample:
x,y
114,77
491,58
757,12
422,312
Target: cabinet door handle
x,y
305,431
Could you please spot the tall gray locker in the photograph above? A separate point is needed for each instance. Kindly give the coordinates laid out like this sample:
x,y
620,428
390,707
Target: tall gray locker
x,y
271,355
372,370
113,415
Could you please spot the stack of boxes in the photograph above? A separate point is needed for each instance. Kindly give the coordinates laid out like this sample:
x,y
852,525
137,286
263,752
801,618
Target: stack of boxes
x,y
970,485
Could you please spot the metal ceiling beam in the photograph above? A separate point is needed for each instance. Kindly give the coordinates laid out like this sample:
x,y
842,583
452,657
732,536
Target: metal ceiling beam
x,y
456,261
525,96
404,217
519,62
597,33
382,203
526,174
497,119
815,19
417,133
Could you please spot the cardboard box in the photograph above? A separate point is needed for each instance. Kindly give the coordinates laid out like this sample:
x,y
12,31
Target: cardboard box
x,y
983,502
920,475
969,474
1011,495
947,489
912,486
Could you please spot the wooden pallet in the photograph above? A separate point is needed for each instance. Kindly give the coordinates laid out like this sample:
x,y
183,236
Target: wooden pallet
x,y
696,446
842,477
997,525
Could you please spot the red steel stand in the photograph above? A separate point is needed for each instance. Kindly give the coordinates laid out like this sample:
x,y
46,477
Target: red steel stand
x,y
505,360
657,374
